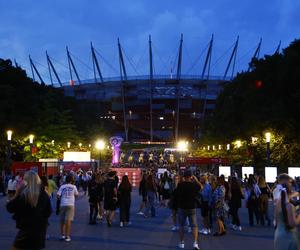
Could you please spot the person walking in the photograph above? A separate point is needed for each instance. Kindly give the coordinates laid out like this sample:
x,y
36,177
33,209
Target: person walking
x,y
166,188
287,221
186,199
67,194
93,192
110,197
235,203
206,198
151,189
143,193
31,209
218,204
124,200
173,205
264,201
252,193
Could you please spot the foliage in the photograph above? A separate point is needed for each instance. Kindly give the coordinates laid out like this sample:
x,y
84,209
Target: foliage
x,y
265,98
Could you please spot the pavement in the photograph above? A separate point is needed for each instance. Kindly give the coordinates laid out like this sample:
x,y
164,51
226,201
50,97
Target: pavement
x,y
143,234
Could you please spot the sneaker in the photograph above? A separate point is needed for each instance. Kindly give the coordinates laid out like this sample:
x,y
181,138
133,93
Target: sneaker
x,y
181,245
68,239
121,224
203,231
196,246
62,237
234,227
209,231
239,228
174,228
140,213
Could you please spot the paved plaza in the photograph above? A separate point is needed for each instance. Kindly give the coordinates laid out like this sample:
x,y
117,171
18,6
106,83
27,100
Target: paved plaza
x,y
143,234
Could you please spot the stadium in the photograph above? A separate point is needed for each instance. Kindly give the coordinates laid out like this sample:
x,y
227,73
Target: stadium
x,y
152,107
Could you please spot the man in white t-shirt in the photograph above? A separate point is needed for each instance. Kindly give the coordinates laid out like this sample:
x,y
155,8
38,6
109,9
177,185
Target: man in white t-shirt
x,y
67,194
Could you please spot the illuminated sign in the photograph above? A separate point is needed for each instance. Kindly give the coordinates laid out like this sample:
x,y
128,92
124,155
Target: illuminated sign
x,y
294,172
270,174
77,156
225,170
247,171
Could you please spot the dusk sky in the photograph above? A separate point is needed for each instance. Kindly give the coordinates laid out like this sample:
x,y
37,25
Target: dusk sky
x,y
32,27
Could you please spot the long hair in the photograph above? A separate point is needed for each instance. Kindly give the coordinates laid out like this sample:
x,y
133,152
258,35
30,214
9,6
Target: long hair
x,y
261,182
32,188
125,184
284,199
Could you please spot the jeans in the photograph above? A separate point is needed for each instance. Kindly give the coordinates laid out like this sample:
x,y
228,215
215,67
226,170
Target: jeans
x,y
150,205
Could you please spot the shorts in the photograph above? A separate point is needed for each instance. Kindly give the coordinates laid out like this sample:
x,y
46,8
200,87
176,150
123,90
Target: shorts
x,y
67,213
204,209
187,213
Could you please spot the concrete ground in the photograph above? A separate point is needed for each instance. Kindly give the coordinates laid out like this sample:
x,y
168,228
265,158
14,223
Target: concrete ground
x,y
143,234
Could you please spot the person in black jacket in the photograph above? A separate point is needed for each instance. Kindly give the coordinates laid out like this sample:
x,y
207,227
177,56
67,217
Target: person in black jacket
x,y
94,192
235,203
31,207
124,199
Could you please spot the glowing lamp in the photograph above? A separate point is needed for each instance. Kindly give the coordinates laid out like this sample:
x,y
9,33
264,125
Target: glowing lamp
x,y
31,137
268,137
9,134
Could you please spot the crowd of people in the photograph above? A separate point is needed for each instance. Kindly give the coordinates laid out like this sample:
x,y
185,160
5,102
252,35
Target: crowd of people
x,y
217,200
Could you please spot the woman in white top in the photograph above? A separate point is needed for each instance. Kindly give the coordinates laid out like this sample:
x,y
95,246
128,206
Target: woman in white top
x,y
287,220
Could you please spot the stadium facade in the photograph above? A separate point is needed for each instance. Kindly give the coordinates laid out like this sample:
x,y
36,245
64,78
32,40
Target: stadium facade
x,y
151,107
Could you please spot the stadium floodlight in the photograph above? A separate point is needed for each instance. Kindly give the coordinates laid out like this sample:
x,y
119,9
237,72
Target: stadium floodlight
x,y
182,146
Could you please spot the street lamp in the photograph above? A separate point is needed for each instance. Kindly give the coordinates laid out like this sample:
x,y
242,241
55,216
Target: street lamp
x,y
100,145
182,146
31,137
268,140
9,135
68,144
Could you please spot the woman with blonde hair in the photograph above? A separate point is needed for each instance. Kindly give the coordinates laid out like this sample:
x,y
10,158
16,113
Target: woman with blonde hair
x,y
264,201
31,208
287,220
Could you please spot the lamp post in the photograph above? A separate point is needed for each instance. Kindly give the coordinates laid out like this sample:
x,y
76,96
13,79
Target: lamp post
x,y
254,143
9,135
68,144
268,140
130,116
100,145
31,137
182,146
